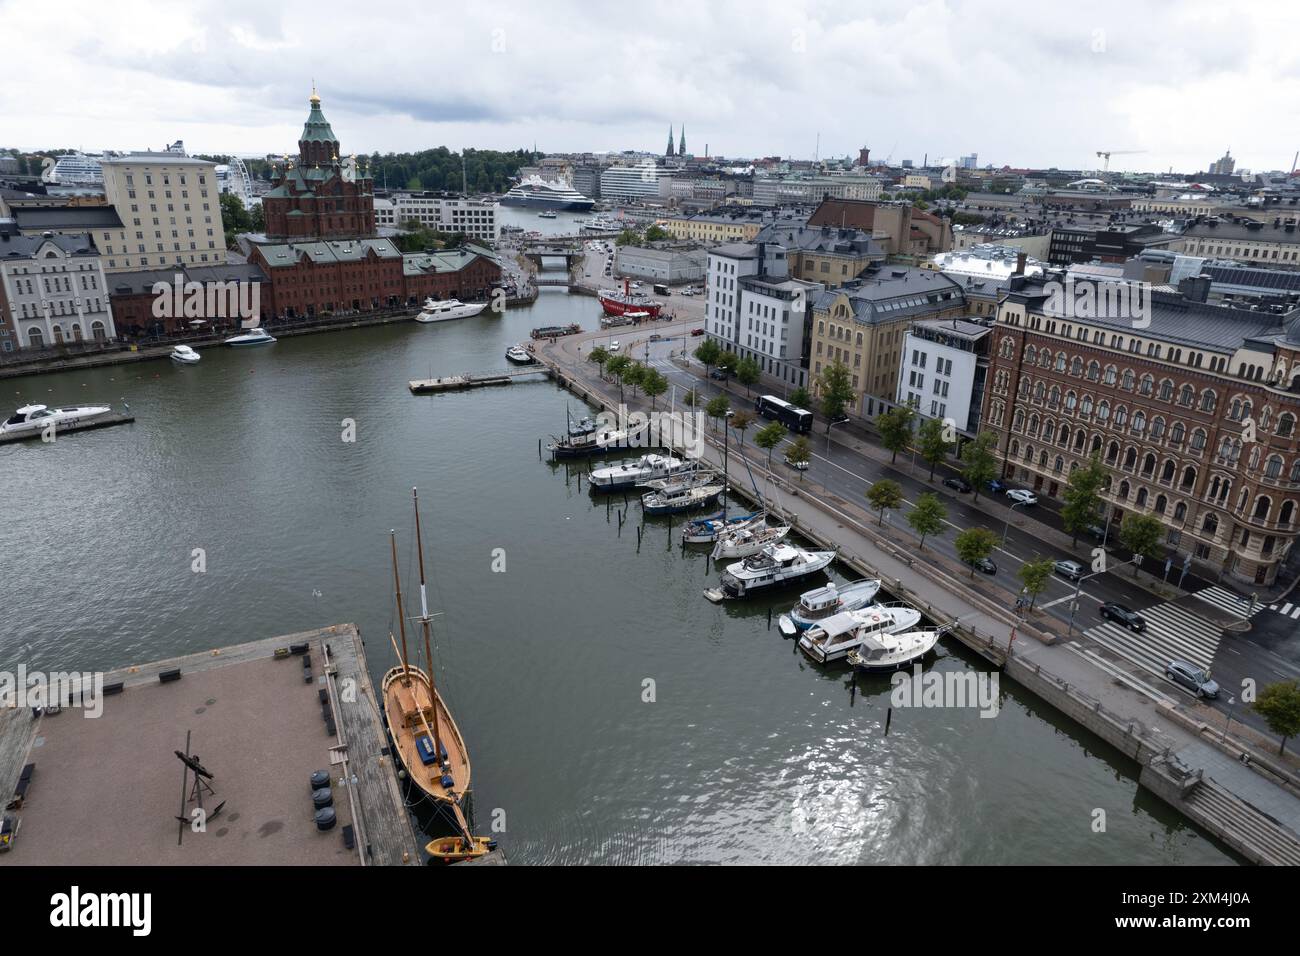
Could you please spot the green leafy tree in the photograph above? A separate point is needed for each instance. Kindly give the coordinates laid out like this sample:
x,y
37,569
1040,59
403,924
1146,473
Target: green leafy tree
x,y
1083,498
979,463
717,408
800,398
895,427
885,495
1034,575
656,234
799,453
634,375
739,423
1279,705
728,360
768,438
927,517
600,356
708,352
1141,534
975,544
616,367
690,398
934,441
234,217
836,389
654,383
628,237
747,373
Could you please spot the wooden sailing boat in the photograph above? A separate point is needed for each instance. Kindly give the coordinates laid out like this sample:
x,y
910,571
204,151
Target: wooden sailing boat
x,y
425,738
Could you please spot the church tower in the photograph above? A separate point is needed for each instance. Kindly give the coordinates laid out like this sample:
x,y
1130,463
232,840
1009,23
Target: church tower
x,y
681,147
318,146
669,151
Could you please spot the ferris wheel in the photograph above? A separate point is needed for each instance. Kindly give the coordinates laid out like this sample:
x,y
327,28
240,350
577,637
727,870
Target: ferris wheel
x,y
239,181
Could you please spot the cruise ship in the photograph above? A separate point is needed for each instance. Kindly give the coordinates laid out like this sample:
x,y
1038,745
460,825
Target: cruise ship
x,y
536,193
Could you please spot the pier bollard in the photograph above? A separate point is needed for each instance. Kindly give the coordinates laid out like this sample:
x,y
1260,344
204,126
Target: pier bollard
x,y
539,449
638,539
889,716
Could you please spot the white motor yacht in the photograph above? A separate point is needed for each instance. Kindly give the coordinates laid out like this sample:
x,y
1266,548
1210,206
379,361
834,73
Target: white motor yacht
x,y
820,603
776,564
185,355
31,419
435,311
833,638
636,471
891,652
257,336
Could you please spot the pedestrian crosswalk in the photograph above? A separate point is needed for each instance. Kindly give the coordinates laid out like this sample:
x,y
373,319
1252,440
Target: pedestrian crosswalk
x,y
1287,610
1173,633
1230,601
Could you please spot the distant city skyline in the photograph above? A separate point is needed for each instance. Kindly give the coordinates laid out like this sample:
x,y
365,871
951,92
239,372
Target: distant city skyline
x,y
234,78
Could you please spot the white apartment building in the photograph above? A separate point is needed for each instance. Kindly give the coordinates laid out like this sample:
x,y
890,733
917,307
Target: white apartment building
x,y
774,314
169,210
943,369
441,212
727,265
631,182
54,289
794,191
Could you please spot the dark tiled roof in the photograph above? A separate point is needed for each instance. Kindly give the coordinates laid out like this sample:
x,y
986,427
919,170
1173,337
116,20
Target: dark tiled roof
x,y
40,218
23,247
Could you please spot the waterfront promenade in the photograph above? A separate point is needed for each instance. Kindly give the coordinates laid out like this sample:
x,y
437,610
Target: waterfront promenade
x,y
1186,756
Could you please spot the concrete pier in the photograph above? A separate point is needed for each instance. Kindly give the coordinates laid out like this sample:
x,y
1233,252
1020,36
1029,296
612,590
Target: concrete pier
x,y
262,717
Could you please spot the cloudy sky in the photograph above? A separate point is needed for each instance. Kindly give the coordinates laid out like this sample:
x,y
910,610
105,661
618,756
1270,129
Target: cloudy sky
x,y
1023,86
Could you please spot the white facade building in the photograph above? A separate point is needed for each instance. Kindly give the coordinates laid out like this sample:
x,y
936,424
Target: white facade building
x,y
942,372
54,290
169,210
727,265
441,212
631,182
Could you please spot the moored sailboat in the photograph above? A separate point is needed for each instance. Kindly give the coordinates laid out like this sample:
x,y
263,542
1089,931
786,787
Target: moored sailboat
x,y
425,738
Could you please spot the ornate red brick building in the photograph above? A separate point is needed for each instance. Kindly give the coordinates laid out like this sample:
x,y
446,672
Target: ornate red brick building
x,y
318,197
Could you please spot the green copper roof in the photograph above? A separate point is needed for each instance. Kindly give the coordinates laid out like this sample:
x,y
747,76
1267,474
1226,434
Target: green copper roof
x,y
317,128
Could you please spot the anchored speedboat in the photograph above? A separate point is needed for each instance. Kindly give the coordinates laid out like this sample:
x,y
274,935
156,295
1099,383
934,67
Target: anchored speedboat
x,y
776,564
257,336
891,652
31,419
636,471
820,603
184,355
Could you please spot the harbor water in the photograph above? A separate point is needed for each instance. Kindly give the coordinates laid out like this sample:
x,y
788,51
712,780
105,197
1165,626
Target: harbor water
x,y
612,714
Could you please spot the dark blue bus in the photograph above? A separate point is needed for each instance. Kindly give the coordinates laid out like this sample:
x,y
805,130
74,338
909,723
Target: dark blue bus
x,y
791,416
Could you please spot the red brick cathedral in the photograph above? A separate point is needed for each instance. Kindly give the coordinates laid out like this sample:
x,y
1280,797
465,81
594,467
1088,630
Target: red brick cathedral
x,y
318,197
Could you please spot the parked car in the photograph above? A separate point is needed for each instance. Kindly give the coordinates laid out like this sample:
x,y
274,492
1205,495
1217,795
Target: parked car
x,y
1123,616
985,565
957,483
719,373
1022,496
697,331
995,486
1069,569
656,337
613,346
799,465
1192,678
1096,531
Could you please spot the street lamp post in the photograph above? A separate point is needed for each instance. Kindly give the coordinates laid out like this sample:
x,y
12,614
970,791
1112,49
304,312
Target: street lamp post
x,y
1074,602
1007,527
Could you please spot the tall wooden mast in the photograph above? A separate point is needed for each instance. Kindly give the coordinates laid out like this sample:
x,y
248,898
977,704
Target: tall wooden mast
x,y
424,623
401,615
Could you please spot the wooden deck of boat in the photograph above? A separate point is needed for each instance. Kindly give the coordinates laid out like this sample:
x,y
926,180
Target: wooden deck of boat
x,y
103,421
114,780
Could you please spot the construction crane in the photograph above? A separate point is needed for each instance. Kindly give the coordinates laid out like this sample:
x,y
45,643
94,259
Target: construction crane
x,y
1106,154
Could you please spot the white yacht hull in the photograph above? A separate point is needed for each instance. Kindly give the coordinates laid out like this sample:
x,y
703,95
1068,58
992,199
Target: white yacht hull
x,y
742,544
874,621
445,315
739,582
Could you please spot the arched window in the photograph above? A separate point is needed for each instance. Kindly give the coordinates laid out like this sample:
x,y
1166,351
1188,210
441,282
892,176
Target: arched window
x,y
1126,380
1166,390
1186,395
1059,465
1161,504
1208,400
1123,491
1189,477
1262,507
1033,424
1110,374
1273,467
1285,424
1234,411
1094,371
1180,511
1060,361
1049,431
1065,436
1031,355
1085,407
1139,423
1015,448
97,331
1295,470
1130,459
1198,439
1112,453
1038,391
1141,497
1285,514
1211,523
35,338
1148,466
1018,420
1147,386
1054,398
1076,366
1178,433
1095,447
1167,472
1157,428
1103,411
1121,416
1071,401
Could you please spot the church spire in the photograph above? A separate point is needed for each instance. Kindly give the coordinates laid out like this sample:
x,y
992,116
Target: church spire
x,y
669,151
681,147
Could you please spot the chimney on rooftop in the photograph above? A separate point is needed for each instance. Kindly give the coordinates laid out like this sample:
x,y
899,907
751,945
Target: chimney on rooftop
x,y
1020,264
1195,288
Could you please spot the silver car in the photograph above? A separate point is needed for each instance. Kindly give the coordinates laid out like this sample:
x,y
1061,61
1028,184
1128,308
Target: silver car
x,y
1192,678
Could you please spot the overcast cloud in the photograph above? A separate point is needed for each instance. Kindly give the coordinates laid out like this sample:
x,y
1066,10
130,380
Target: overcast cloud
x,y
1041,85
